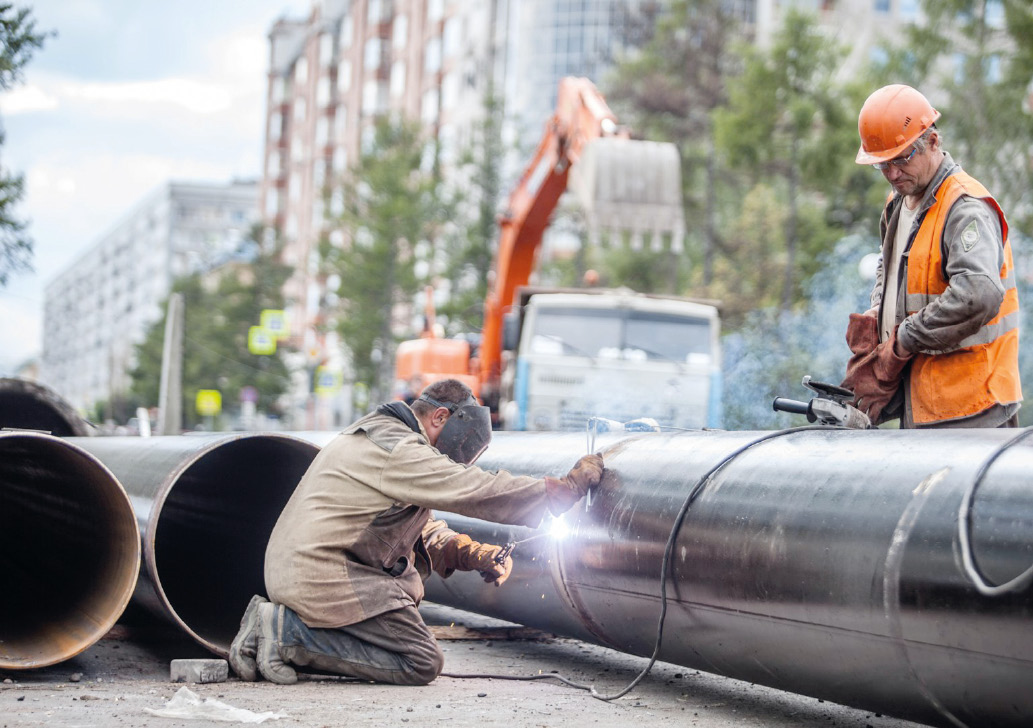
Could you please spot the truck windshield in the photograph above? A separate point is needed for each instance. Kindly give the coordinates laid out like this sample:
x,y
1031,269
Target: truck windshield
x,y
621,334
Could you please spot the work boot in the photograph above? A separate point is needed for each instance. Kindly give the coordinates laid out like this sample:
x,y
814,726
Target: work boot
x,y
242,649
267,651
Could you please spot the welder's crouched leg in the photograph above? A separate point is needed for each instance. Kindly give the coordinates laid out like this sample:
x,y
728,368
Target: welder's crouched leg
x,y
394,647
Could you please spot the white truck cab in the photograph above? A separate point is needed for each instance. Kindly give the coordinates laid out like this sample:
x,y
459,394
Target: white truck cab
x,y
572,355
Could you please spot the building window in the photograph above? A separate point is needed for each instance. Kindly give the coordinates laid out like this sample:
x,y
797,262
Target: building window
x,y
301,71
451,37
450,91
340,122
344,76
323,92
907,10
371,59
435,10
994,14
432,55
398,79
347,30
429,107
881,6
400,32
326,49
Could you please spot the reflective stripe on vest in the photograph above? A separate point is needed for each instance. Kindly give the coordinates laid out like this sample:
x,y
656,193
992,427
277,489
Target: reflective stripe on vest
x,y
983,369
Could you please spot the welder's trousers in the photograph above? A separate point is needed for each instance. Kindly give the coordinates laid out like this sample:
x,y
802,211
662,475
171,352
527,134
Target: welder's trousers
x,y
394,647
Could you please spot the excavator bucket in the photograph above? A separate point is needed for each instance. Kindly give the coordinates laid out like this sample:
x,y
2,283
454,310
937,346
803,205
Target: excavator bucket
x,y
630,186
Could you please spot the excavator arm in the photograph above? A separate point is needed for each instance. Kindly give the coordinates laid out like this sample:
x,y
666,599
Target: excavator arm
x,y
581,116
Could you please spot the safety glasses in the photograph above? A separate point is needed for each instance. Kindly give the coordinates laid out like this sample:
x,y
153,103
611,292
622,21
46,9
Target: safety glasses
x,y
896,161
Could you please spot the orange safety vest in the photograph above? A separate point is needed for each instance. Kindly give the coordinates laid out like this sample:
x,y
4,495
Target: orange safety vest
x,y
983,369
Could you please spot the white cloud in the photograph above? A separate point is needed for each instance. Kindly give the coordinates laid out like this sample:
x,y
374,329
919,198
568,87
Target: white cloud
x,y
24,99
195,96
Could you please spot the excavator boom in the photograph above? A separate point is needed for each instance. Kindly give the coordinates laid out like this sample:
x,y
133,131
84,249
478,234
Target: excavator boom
x,y
645,174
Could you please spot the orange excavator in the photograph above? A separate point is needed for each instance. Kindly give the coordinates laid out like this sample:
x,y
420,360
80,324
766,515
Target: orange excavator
x,y
623,187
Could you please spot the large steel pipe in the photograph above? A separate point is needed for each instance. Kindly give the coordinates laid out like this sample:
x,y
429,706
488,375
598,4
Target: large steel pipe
x,y
31,406
206,506
69,550
822,562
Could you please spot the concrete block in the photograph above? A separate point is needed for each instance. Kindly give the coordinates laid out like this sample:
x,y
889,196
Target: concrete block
x,y
199,671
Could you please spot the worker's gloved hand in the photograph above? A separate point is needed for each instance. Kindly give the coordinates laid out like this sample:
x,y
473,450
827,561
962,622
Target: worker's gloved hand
x,y
566,491
470,555
875,377
862,333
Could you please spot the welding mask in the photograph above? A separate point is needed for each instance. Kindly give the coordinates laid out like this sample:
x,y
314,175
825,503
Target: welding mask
x,y
467,432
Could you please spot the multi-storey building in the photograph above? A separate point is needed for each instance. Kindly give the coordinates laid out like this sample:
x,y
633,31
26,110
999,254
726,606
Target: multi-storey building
x,y
101,305
331,75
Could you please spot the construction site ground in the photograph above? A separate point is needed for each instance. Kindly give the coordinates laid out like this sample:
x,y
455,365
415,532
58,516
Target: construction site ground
x,y
116,681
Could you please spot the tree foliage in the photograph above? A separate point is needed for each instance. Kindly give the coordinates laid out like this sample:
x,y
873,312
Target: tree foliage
x,y
19,40
668,91
469,248
391,209
220,307
784,125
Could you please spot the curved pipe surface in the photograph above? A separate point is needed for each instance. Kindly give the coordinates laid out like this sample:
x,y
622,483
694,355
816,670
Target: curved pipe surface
x,y
69,550
30,406
823,562
206,505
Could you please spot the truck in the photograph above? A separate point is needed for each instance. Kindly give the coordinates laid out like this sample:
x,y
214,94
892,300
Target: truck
x,y
569,355
550,359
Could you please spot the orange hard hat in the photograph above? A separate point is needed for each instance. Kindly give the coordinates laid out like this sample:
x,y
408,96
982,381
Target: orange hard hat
x,y
890,121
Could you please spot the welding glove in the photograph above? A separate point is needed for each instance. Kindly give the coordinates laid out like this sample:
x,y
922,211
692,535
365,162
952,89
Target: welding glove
x,y
862,334
566,491
465,554
875,377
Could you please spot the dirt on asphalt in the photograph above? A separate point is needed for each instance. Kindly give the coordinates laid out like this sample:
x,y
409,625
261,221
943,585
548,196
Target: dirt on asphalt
x,y
114,683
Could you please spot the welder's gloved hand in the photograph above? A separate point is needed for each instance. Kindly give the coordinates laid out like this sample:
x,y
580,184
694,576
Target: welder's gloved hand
x,y
470,555
566,491
875,377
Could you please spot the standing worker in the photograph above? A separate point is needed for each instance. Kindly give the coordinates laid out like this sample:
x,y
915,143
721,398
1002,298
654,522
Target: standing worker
x,y
346,561
939,346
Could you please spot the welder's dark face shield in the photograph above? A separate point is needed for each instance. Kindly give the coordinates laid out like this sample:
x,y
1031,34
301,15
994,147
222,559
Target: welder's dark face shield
x,y
467,432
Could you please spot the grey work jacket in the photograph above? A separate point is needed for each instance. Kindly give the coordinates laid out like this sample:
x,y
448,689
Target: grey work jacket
x,y
973,296
352,541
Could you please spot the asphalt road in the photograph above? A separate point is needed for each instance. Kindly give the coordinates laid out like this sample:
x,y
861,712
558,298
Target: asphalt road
x,y
116,681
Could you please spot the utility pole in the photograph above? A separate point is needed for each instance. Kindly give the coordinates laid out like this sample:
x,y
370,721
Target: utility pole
x,y
170,392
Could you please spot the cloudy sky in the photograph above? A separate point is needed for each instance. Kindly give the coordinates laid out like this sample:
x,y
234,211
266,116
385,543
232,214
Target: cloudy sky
x,y
126,96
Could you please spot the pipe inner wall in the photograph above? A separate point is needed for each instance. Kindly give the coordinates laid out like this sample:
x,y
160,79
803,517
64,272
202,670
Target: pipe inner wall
x,y
69,550
206,505
210,531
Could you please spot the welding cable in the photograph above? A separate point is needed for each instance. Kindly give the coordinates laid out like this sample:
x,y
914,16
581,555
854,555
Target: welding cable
x,y
968,556
665,567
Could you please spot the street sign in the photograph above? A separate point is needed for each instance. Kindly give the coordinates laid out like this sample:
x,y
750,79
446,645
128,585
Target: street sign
x,y
248,394
275,322
327,381
260,341
208,402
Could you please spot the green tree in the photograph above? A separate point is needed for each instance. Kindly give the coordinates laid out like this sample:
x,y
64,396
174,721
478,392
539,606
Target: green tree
x,y
469,249
390,208
785,125
220,308
19,39
668,91
974,60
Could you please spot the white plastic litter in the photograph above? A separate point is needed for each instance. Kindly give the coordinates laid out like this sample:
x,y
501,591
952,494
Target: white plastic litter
x,y
188,704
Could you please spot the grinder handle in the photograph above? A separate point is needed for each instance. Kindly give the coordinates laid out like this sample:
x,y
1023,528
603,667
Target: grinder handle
x,y
795,406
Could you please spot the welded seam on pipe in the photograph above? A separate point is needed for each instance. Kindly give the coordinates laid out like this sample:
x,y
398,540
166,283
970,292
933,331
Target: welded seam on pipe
x,y
891,584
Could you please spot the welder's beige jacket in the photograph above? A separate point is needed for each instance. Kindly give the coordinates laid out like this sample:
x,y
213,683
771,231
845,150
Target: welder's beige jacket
x,y
357,538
